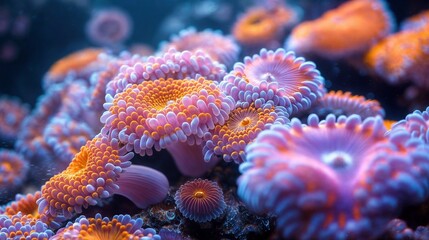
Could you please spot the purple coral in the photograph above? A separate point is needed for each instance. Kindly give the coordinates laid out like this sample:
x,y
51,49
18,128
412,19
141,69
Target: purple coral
x,y
109,27
171,64
200,200
416,123
336,178
226,50
289,76
105,228
167,114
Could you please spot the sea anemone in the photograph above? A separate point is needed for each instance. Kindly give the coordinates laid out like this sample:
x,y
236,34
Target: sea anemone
x,y
226,50
337,178
244,123
345,103
416,123
12,113
368,21
19,226
171,64
100,79
200,200
164,113
57,107
289,76
109,27
119,227
27,206
65,136
96,172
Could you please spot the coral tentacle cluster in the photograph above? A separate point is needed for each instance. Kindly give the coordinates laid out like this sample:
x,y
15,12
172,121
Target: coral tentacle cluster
x,y
103,228
335,178
200,200
288,76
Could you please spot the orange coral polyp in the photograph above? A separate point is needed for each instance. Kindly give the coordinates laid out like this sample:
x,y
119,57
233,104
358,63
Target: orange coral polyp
x,y
367,21
164,111
255,27
90,176
244,124
76,61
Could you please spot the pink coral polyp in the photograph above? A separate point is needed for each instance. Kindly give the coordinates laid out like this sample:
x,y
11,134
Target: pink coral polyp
x,y
165,111
289,76
337,178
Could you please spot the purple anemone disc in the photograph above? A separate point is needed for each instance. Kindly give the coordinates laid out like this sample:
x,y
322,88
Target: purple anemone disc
x,y
336,178
19,226
109,27
291,77
200,200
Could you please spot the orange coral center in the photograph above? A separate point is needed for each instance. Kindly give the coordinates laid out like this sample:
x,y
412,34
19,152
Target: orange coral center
x,y
246,121
199,194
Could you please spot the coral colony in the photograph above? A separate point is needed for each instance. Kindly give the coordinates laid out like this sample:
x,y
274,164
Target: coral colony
x,y
263,146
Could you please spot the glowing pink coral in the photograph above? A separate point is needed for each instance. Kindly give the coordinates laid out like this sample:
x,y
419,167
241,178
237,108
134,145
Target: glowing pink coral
x,y
97,172
288,76
171,64
164,113
338,178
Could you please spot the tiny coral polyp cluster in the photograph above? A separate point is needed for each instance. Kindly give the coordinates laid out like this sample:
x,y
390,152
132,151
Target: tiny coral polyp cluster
x,y
229,110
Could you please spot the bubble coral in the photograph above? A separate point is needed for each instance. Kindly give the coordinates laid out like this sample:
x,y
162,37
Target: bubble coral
x,y
109,27
345,103
97,172
12,113
337,178
400,57
262,26
20,227
162,113
368,21
171,64
119,227
226,50
245,122
13,170
200,200
80,64
288,76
